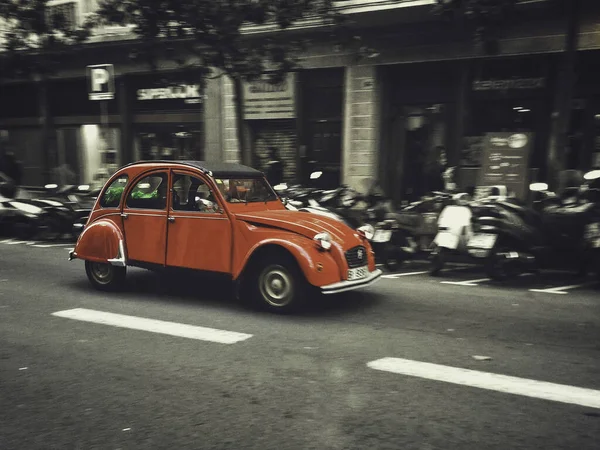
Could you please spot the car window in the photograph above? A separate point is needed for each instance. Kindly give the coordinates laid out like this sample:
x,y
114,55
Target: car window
x,y
112,195
149,193
247,190
192,194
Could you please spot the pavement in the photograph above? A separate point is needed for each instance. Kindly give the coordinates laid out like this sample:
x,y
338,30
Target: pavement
x,y
413,362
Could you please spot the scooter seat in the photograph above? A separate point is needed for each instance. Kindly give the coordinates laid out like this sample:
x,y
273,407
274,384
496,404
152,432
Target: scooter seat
x,y
405,220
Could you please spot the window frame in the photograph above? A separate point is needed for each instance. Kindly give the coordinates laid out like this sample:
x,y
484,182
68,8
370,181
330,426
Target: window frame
x,y
138,180
215,193
108,186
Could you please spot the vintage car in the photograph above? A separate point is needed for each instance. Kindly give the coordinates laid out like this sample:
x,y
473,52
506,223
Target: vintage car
x,y
222,218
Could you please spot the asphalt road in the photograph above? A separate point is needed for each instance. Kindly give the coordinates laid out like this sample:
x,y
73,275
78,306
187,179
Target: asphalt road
x,y
297,382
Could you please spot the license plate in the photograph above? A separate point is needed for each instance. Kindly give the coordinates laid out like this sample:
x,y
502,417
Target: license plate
x,y
358,273
482,240
446,240
382,236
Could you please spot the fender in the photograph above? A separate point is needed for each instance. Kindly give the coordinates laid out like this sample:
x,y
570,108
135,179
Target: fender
x,y
319,267
102,241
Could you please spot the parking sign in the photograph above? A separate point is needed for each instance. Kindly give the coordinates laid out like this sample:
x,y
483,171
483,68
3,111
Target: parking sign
x,y
101,82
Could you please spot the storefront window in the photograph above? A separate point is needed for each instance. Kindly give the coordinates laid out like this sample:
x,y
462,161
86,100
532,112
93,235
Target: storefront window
x,y
178,143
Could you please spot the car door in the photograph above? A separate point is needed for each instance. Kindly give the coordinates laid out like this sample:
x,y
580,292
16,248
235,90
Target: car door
x,y
199,231
144,217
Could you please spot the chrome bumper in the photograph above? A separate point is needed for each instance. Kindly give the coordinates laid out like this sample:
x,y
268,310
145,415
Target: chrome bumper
x,y
72,255
343,286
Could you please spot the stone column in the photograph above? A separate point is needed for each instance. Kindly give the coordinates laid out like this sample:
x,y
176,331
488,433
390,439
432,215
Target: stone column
x,y
362,125
213,119
230,146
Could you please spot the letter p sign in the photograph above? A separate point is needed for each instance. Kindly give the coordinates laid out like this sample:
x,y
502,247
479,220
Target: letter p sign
x,y
101,82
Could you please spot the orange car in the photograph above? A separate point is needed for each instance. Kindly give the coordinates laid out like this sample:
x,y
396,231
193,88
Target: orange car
x,y
223,218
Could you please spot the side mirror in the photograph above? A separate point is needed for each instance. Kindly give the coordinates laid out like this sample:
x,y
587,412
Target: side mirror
x,y
538,187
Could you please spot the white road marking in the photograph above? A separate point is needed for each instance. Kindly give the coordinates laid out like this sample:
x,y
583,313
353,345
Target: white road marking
x,y
466,283
491,381
11,242
563,289
154,326
5,241
396,275
48,245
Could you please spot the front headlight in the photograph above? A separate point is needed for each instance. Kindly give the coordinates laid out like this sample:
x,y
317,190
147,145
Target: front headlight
x,y
324,240
367,231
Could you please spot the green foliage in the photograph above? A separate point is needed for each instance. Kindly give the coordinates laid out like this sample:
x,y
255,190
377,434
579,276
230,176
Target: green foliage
x,y
482,18
35,36
203,34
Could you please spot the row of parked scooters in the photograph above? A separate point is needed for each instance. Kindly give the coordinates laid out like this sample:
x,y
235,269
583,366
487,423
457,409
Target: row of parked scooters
x,y
52,213
506,236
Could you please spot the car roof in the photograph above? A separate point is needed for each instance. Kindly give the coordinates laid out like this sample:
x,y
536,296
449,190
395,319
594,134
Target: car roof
x,y
213,169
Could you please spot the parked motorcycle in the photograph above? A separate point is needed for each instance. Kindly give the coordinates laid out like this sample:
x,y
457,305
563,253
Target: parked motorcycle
x,y
20,218
554,232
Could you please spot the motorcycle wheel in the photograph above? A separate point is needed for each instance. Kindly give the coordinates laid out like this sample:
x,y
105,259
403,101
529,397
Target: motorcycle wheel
x,y
496,267
49,229
438,260
23,230
393,258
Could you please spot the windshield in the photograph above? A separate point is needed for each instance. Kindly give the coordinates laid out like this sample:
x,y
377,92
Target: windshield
x,y
245,190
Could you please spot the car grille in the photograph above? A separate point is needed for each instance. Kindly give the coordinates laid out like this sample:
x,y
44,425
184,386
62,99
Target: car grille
x,y
356,257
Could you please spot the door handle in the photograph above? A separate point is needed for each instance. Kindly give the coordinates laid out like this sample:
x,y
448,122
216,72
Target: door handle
x,y
171,219
124,216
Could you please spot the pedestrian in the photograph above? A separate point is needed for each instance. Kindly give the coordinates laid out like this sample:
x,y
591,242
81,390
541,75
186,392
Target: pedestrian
x,y
436,177
11,167
274,170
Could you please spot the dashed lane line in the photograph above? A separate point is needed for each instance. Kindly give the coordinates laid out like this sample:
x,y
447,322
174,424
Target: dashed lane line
x,y
484,380
154,326
49,245
561,290
467,282
406,274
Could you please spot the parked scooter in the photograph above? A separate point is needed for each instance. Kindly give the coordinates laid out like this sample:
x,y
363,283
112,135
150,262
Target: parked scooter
x,y
21,218
557,230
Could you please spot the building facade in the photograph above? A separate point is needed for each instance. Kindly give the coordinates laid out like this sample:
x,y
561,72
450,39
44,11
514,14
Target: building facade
x,y
385,108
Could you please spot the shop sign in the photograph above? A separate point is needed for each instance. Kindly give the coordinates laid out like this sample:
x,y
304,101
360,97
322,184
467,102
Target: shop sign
x,y
508,84
264,100
505,161
101,82
165,92
190,93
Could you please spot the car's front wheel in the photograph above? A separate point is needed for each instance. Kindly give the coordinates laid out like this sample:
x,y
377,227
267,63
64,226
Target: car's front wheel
x,y
279,286
105,276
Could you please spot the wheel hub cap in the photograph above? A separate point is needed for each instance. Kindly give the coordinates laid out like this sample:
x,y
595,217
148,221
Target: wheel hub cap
x,y
101,271
276,287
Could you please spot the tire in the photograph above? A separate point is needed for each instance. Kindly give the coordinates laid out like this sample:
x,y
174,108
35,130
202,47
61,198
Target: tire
x,y
392,257
23,230
278,286
49,229
495,267
438,260
105,276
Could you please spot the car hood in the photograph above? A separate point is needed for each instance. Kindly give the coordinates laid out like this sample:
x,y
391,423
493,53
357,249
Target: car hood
x,y
304,223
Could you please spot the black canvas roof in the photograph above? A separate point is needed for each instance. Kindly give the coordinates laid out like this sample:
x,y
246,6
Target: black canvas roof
x,y
216,169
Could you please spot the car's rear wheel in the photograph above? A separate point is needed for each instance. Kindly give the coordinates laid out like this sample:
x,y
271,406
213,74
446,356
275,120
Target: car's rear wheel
x,y
105,276
279,286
